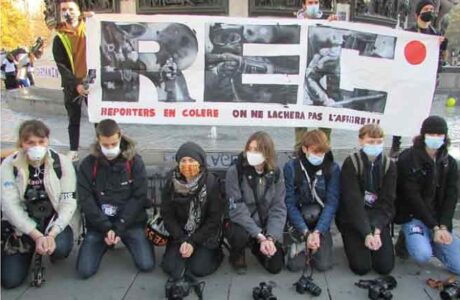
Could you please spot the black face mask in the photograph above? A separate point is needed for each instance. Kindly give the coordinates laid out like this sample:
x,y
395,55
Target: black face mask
x,y
427,16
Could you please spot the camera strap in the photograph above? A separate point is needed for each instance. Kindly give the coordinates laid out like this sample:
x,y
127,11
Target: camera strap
x,y
308,257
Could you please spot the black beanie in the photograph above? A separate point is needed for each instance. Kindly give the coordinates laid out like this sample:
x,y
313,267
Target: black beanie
x,y
192,150
421,4
434,124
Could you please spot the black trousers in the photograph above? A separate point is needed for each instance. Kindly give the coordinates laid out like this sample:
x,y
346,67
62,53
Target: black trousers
x,y
74,114
361,259
204,261
239,239
11,82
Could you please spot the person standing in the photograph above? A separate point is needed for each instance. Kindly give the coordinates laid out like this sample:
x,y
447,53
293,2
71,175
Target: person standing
x,y
425,13
69,52
10,69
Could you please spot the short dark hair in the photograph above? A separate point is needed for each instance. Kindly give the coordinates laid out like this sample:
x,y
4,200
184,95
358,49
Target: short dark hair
x,y
32,128
107,127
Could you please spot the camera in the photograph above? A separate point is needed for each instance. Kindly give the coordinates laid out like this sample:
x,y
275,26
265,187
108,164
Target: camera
x,y
306,284
450,291
379,288
178,289
263,292
34,195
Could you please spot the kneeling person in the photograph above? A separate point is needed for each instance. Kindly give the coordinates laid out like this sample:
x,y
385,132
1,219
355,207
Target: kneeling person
x,y
255,191
112,190
192,211
366,206
38,203
312,197
427,196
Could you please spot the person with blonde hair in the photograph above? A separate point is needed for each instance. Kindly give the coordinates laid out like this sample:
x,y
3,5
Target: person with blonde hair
x,y
366,206
312,197
255,192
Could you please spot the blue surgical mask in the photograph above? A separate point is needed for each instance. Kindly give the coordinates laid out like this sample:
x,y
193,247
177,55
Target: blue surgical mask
x,y
313,11
373,150
434,142
315,160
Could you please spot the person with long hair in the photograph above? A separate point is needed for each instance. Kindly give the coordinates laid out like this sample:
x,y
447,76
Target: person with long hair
x,y
255,192
192,211
427,195
38,203
312,197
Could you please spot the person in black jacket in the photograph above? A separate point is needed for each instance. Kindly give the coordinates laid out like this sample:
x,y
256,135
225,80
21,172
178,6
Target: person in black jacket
x,y
192,211
427,194
69,53
366,206
425,13
112,190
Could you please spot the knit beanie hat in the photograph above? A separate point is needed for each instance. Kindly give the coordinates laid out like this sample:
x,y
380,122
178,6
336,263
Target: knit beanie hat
x,y
434,124
192,150
421,4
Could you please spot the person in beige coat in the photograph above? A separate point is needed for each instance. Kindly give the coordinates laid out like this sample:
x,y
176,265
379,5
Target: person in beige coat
x,y
38,203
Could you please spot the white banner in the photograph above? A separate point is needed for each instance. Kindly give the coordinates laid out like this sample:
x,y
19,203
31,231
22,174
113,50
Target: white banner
x,y
199,70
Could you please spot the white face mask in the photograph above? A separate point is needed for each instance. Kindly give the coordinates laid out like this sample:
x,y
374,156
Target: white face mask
x,y
36,153
255,158
112,152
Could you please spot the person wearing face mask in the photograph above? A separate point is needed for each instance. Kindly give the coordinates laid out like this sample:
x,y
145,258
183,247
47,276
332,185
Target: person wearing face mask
x,y
69,52
427,194
312,196
35,175
255,192
366,205
192,211
425,13
112,190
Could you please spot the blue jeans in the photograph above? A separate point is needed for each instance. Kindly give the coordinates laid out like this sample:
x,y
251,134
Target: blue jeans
x,y
15,267
93,249
420,245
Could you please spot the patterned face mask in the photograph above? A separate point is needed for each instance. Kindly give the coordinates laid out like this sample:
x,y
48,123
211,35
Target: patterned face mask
x,y
189,170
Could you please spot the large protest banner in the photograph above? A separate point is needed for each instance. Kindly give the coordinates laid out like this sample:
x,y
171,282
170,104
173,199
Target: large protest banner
x,y
203,70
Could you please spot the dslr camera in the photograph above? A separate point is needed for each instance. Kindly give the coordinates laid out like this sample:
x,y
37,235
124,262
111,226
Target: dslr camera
x,y
263,292
34,195
379,288
450,291
306,284
179,289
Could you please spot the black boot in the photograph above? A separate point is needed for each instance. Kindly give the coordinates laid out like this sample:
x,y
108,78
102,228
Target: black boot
x,y
400,246
238,261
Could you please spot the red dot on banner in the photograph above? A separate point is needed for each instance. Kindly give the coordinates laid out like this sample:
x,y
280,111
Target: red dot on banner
x,y
415,52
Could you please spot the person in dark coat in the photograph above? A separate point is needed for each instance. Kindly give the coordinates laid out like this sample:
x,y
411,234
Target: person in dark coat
x,y
192,211
366,206
427,195
255,191
112,191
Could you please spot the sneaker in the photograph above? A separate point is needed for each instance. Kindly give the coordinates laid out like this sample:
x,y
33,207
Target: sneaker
x,y
238,262
400,246
73,156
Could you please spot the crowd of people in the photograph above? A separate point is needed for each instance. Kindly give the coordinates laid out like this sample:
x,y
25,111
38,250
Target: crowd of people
x,y
281,213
